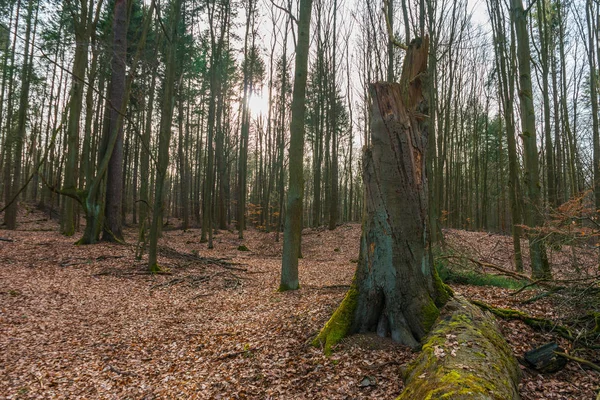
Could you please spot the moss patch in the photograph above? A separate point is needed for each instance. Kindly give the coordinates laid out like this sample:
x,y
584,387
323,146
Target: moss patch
x,y
339,324
429,314
443,292
464,357
467,277
284,288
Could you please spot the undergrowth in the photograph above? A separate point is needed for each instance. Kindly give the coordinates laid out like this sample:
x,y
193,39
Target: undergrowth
x,y
469,277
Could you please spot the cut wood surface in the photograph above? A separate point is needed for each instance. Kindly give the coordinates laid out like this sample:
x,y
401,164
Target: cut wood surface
x,y
464,357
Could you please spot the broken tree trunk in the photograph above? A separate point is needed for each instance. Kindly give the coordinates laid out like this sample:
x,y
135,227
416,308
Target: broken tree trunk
x,y
396,291
464,357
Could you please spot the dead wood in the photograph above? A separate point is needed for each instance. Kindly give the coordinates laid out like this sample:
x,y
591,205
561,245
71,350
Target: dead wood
x,y
464,357
542,324
169,252
579,360
546,358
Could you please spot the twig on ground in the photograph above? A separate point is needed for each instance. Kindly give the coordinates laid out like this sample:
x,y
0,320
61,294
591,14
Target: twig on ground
x,y
118,371
582,361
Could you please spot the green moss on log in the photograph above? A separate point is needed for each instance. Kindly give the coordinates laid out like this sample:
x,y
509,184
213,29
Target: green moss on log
x,y
339,324
464,357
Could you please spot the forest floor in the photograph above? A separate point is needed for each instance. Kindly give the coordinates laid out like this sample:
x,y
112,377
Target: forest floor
x,y
87,322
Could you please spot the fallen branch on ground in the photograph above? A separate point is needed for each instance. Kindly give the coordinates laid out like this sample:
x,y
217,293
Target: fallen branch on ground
x,y
582,361
220,262
534,322
118,371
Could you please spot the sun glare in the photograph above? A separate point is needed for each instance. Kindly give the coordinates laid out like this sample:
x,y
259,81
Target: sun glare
x,y
259,105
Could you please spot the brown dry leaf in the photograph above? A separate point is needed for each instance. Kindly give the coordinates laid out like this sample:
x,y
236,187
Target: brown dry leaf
x,y
85,322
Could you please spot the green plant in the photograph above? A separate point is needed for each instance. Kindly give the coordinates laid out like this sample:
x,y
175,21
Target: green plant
x,y
469,277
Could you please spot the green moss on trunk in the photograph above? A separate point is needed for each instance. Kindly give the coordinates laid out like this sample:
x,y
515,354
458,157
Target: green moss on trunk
x,y
429,314
284,288
339,324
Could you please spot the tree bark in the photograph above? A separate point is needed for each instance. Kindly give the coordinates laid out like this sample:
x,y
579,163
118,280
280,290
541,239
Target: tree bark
x,y
112,229
396,291
539,260
10,216
293,218
166,120
506,91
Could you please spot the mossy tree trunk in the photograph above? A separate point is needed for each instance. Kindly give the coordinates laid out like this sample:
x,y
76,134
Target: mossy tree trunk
x,y
396,291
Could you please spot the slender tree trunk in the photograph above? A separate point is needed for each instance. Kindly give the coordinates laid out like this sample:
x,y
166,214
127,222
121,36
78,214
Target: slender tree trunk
x,y
245,129
80,62
506,81
112,228
9,138
539,261
145,160
333,201
594,99
293,217
166,119
10,214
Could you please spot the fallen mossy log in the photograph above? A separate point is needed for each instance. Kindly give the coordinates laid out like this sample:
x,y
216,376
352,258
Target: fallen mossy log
x,y
464,357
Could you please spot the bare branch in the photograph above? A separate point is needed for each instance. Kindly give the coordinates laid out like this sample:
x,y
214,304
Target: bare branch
x,y
285,10
393,40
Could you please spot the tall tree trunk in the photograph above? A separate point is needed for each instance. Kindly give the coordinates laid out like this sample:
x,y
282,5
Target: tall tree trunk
x,y
166,119
545,64
592,32
80,61
145,157
333,200
506,81
112,228
183,165
9,138
293,218
245,129
539,260
10,215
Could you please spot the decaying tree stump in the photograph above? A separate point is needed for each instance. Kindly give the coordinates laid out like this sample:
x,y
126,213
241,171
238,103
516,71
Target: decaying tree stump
x,y
396,291
464,357
545,359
